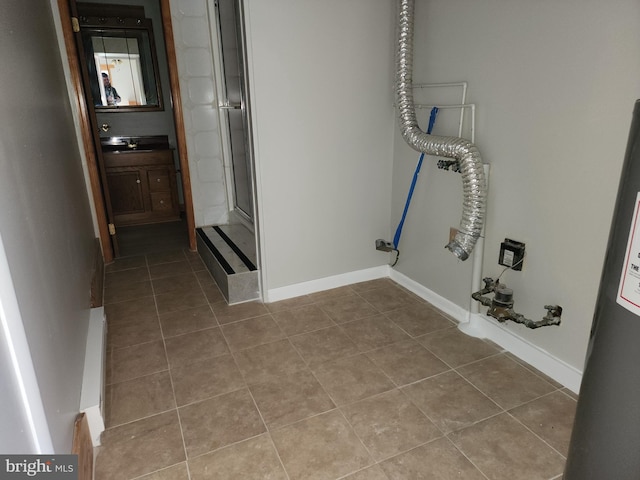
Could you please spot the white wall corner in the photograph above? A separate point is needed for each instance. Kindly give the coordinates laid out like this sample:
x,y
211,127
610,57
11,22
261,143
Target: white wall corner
x,y
481,326
92,396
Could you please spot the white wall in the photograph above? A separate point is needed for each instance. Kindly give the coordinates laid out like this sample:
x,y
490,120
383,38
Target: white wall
x,y
192,35
555,83
45,227
321,75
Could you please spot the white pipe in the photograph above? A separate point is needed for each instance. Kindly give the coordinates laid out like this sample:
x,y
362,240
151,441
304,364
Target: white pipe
x,y
448,84
463,101
478,254
461,106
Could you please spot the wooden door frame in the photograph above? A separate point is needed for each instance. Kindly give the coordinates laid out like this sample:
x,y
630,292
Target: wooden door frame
x,y
87,133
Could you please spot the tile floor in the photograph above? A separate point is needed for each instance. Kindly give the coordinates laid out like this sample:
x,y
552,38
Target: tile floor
x,y
364,382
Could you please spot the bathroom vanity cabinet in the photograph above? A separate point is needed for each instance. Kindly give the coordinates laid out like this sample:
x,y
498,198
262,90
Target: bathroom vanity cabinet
x,y
142,186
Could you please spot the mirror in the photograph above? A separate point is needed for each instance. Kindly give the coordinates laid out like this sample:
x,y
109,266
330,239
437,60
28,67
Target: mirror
x,y
122,68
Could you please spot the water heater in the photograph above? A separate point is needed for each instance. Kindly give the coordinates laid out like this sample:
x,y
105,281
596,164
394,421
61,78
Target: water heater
x,y
605,442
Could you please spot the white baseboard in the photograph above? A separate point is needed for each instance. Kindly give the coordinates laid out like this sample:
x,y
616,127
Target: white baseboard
x,y
327,283
486,327
92,396
482,326
456,312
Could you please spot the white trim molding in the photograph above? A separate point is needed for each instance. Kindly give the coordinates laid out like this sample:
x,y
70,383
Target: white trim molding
x,y
327,283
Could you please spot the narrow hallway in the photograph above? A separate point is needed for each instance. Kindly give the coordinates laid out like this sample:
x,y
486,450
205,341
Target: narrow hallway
x,y
362,382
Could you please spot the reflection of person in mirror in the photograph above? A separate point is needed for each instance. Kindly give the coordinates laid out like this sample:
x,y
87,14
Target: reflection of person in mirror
x,y
110,92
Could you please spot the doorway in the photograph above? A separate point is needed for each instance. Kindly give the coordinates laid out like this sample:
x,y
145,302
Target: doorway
x,y
93,122
229,249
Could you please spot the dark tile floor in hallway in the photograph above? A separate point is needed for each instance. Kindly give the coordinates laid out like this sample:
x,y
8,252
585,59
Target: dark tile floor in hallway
x,y
364,382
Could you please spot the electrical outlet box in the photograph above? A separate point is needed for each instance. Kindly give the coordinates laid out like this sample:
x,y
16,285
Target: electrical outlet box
x,y
384,245
511,254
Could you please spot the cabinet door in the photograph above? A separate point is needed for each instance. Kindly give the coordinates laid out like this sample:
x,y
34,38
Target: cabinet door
x,y
126,192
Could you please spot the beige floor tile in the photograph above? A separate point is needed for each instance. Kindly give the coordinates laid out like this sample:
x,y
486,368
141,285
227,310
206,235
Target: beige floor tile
x,y
407,361
306,318
373,285
331,293
212,292
176,472
300,363
178,301
126,263
455,348
451,402
140,447
121,292
171,269
570,393
373,332
205,379
252,332
219,421
289,303
138,398
134,331
185,283
234,313
108,365
195,261
347,308
504,381
389,298
389,424
437,460
419,319
187,321
266,362
351,379
556,384
503,449
287,399
323,447
195,346
371,473
204,276
166,257
124,311
324,345
255,458
209,287
550,417
129,276
137,361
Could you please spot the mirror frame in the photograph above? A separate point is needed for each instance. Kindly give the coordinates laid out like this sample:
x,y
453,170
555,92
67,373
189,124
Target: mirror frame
x,y
91,26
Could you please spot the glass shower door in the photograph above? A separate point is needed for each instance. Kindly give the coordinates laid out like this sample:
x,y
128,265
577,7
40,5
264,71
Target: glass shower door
x,y
232,44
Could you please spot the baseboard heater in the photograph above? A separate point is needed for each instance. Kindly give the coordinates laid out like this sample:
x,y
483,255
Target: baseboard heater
x,y
92,396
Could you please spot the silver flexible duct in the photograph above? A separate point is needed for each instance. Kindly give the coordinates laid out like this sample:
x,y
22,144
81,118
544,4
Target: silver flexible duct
x,y
473,178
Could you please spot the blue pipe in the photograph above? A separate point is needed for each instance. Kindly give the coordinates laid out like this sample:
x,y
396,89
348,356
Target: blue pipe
x,y
396,237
